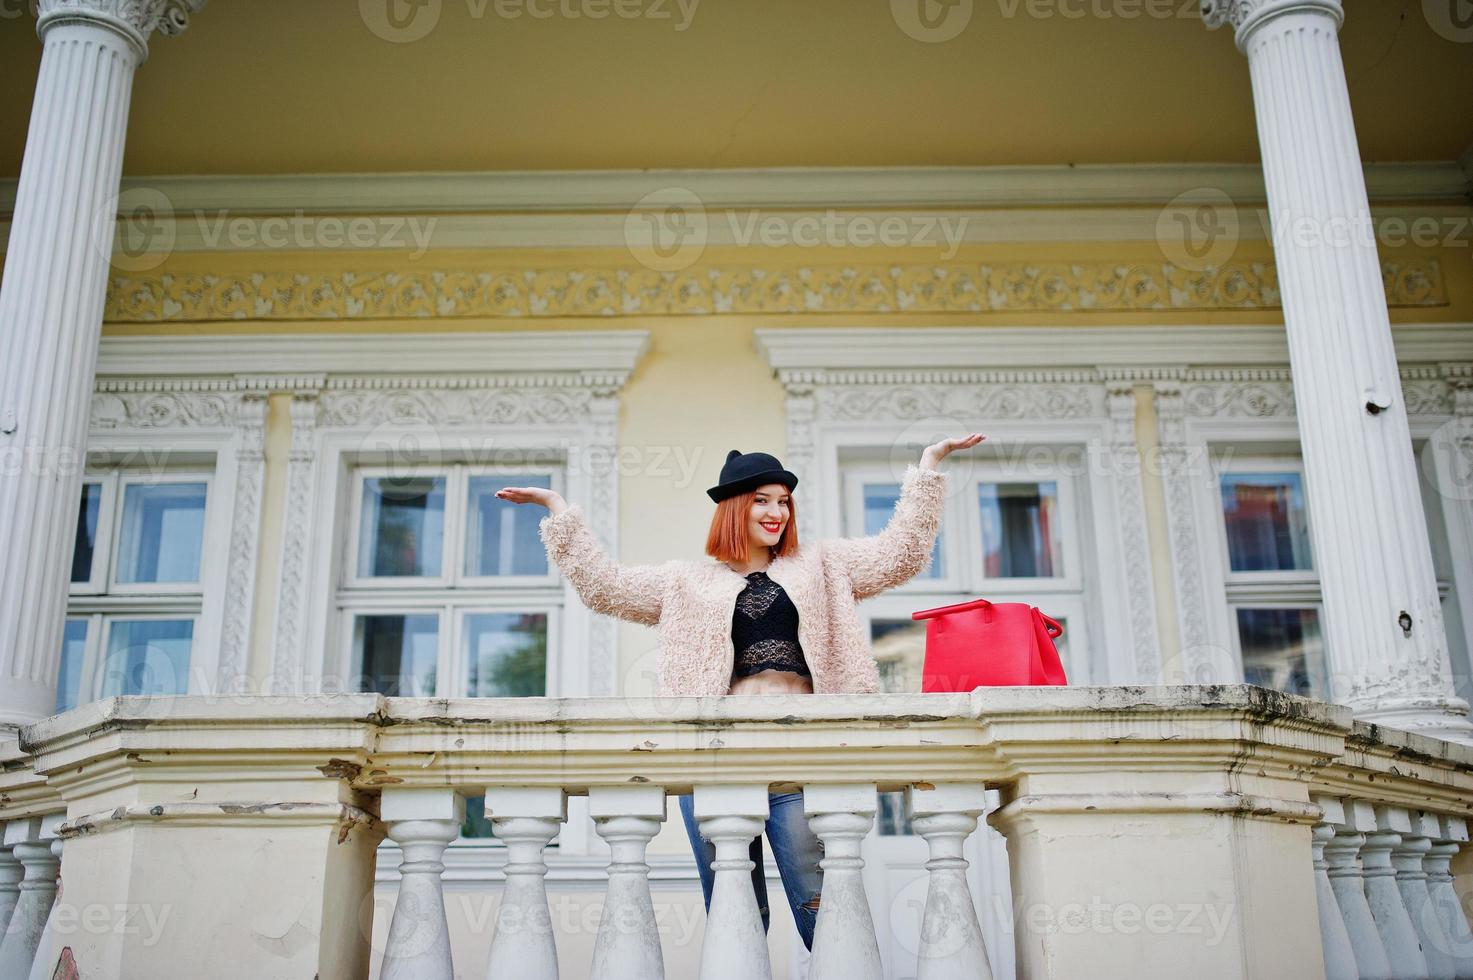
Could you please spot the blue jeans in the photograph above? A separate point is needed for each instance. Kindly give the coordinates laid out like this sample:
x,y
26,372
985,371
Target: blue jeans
x,y
795,848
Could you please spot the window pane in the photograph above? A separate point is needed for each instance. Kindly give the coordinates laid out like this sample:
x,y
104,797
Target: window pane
x,y
85,545
501,537
396,655
506,655
69,677
147,656
1282,650
403,526
162,532
476,825
899,647
893,817
879,504
1267,530
1020,530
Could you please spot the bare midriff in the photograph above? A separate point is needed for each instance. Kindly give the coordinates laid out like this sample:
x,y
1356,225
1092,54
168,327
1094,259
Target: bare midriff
x,y
772,682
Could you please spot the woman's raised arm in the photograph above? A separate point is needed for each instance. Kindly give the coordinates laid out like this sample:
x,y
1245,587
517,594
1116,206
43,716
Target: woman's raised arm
x,y
632,592
898,553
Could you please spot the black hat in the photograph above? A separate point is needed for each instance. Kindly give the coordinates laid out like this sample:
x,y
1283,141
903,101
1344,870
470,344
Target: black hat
x,y
748,471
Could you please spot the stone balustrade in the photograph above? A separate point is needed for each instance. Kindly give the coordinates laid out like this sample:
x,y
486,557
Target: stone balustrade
x,y
1210,832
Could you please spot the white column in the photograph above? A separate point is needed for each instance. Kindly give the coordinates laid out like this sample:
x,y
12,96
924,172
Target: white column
x,y
1342,854
43,964
422,822
1398,935
31,845
526,819
844,945
1411,880
951,938
735,944
1339,954
1452,836
1383,625
51,298
628,943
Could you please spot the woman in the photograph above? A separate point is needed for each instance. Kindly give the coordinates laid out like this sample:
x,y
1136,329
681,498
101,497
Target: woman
x,y
762,617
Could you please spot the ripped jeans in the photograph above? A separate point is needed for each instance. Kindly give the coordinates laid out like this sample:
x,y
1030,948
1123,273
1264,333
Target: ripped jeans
x,y
795,848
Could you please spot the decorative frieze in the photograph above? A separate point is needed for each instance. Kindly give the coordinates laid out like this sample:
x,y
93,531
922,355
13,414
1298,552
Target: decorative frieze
x,y
957,287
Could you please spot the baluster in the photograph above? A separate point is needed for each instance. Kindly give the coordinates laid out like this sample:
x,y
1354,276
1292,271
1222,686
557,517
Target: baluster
x,y
1411,879
951,945
735,945
31,845
422,822
43,964
844,945
628,944
1342,853
526,819
1403,948
11,872
1339,954
1452,835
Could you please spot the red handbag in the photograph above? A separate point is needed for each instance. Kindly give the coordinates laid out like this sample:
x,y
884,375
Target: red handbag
x,y
989,644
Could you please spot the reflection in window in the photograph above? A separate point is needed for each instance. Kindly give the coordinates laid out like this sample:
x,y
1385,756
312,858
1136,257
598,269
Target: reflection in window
x,y
1020,530
73,653
1267,530
396,655
893,815
147,656
162,532
879,505
506,655
403,526
899,647
85,545
1282,650
502,537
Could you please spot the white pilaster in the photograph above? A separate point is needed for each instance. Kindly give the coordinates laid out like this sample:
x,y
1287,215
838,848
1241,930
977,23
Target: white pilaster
x,y
1383,623
51,299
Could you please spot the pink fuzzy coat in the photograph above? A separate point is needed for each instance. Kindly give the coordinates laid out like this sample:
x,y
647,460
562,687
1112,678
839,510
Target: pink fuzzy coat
x,y
692,602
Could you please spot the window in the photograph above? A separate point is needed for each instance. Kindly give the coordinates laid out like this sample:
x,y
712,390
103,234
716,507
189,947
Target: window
x,y
136,588
1273,590
1010,533
447,590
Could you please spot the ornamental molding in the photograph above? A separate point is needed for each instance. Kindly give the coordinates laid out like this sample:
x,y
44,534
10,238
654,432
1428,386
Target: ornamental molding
x,y
1245,16
134,20
633,290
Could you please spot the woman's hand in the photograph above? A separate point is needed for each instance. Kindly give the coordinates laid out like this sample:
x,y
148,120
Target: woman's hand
x,y
938,451
550,499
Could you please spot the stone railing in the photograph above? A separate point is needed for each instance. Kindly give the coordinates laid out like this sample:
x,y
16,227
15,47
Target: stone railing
x,y
1205,832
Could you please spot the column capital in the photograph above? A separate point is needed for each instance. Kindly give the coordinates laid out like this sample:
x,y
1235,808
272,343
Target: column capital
x,y
134,20
1246,16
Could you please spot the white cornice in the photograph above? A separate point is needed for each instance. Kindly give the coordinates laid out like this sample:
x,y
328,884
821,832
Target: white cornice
x,y
596,351
795,187
1177,347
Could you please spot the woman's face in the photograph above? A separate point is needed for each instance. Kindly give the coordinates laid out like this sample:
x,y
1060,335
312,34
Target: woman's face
x,y
769,515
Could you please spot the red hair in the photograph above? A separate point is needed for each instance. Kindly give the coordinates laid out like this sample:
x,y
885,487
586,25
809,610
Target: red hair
x,y
728,541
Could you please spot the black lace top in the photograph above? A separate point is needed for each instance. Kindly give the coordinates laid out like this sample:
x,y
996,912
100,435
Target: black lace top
x,y
764,629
